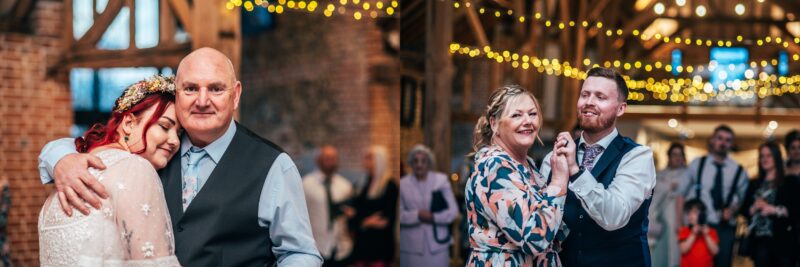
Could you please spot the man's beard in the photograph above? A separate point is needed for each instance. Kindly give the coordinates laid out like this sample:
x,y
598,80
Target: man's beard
x,y
600,123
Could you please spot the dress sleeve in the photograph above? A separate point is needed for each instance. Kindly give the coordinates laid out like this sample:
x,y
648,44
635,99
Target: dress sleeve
x,y
139,209
527,218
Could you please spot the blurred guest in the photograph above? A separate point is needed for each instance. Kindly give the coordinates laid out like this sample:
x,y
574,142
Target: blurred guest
x,y
427,208
720,182
792,145
5,204
771,206
326,192
699,242
666,208
513,211
375,213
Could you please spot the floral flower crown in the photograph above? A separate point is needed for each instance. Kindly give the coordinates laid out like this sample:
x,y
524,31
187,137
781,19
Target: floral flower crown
x,y
138,91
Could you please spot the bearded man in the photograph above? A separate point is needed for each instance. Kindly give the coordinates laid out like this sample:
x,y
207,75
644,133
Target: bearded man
x,y
611,180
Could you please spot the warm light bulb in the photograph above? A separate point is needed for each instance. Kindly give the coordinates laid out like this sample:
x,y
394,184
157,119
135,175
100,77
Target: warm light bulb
x,y
739,9
659,8
680,2
700,11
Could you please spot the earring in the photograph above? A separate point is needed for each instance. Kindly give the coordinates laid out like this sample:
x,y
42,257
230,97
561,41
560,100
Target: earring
x,y
127,137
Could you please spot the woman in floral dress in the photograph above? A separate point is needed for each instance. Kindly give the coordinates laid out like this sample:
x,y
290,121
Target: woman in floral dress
x,y
514,213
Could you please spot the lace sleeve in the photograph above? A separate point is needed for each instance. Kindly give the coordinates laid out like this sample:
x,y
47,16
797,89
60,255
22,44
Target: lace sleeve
x,y
140,213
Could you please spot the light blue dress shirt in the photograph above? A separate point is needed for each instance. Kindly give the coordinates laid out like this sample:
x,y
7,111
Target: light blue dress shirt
x,y
280,205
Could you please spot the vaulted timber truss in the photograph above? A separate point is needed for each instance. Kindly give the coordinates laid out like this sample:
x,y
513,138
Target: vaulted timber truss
x,y
207,22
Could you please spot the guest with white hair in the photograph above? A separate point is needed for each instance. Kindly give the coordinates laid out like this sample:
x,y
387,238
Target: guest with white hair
x,y
427,208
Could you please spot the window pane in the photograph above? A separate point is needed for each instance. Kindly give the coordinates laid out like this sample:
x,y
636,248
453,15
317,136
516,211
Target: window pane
x,y
81,83
146,23
114,80
117,35
82,17
101,5
676,61
731,62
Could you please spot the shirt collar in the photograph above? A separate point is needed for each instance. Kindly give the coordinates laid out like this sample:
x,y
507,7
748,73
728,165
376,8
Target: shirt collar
x,y
604,142
216,148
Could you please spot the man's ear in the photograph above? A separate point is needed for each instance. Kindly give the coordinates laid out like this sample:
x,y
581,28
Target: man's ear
x,y
621,109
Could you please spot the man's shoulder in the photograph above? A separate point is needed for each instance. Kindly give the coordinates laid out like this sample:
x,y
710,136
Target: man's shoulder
x,y
255,139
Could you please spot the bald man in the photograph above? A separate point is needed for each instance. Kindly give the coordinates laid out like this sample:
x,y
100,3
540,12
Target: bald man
x,y
326,192
248,207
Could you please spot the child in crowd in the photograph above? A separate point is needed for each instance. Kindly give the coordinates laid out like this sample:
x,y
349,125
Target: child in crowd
x,y
698,241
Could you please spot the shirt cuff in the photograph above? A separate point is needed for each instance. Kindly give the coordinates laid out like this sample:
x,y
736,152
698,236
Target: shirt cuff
x,y
51,154
583,184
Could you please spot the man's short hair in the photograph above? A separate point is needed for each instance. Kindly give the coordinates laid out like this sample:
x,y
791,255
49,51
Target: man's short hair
x,y
612,74
792,136
723,127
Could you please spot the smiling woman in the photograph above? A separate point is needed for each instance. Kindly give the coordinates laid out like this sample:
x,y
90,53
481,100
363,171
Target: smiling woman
x,y
140,137
506,188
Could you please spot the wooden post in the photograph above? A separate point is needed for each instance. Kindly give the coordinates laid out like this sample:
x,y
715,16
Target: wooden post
x,y
438,81
205,17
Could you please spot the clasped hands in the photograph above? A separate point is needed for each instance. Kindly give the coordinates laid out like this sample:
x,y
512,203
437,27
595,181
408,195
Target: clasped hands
x,y
562,161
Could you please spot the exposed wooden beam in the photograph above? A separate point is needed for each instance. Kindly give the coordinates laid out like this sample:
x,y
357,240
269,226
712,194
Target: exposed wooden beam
x,y
14,20
160,56
504,3
725,20
475,25
166,25
438,81
132,24
204,12
183,12
597,9
99,27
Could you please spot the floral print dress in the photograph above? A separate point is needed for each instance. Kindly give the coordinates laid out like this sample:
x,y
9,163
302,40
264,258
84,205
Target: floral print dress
x,y
514,220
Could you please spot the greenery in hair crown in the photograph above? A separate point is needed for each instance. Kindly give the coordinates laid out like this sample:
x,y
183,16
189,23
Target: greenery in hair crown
x,y
138,91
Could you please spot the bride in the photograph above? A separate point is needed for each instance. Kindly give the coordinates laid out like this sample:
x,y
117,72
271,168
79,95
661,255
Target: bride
x,y
132,228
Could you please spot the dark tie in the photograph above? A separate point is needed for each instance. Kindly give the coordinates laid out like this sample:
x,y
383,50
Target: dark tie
x,y
716,190
331,207
589,154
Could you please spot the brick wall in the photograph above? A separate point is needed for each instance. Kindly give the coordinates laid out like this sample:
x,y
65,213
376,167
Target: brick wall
x,y
34,107
314,80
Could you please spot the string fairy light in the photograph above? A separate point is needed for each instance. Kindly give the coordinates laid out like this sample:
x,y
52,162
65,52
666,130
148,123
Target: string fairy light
x,y
357,9
671,90
608,31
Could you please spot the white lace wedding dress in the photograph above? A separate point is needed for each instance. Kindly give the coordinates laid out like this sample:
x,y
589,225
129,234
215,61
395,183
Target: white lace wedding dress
x,y
132,228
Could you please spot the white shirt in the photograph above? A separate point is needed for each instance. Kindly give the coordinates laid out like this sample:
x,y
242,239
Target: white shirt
x,y
709,174
328,237
611,208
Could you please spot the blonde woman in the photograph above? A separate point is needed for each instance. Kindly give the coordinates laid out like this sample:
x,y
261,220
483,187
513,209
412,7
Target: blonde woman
x,y
515,215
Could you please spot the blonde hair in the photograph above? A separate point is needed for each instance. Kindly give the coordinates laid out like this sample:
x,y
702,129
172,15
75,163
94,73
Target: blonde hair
x,y
498,102
381,174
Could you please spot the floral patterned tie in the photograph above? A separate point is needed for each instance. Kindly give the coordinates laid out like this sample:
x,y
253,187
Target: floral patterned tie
x,y
190,183
589,154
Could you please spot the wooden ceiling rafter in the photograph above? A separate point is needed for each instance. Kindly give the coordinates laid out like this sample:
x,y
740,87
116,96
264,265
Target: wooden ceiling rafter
x,y
220,31
15,19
